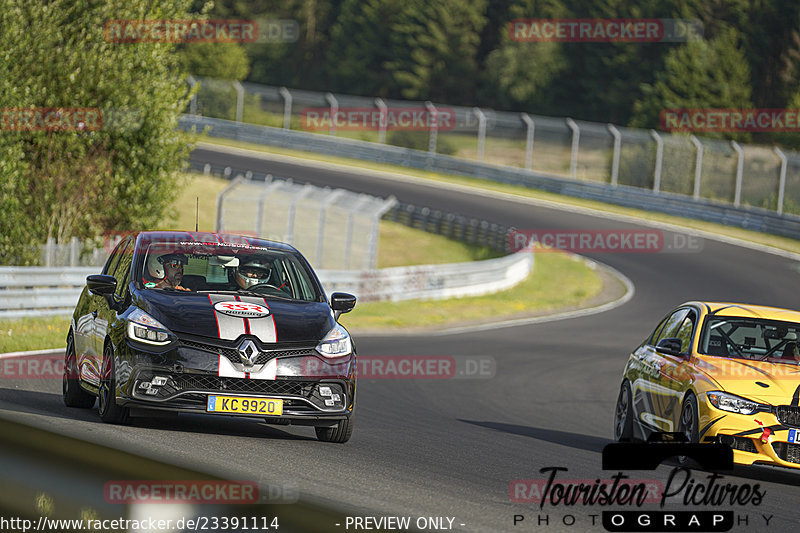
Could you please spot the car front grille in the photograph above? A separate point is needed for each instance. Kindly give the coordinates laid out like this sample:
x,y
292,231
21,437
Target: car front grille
x,y
786,451
788,415
185,386
744,444
260,386
232,354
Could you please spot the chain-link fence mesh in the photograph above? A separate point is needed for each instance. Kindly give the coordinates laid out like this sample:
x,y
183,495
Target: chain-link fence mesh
x,y
577,149
334,228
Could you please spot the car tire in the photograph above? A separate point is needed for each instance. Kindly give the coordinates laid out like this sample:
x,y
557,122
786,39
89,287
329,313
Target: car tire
x,y
340,433
71,391
623,414
688,425
110,412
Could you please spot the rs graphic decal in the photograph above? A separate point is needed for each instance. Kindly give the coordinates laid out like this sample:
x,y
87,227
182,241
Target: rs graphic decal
x,y
244,315
269,370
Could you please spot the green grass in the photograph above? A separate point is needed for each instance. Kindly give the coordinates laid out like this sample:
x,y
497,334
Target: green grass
x,y
33,333
428,249
558,281
782,243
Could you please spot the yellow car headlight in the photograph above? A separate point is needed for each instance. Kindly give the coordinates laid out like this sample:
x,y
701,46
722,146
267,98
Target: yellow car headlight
x,y
735,404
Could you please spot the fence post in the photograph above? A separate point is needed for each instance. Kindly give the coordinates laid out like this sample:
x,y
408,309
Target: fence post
x,y
334,103
239,100
50,252
615,158
659,160
74,252
381,105
193,101
782,182
371,258
481,131
323,210
576,139
348,232
269,187
219,228
698,166
287,107
434,130
292,208
737,195
531,129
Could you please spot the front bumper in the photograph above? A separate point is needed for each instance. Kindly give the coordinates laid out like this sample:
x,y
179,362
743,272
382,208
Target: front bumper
x,y
315,391
750,443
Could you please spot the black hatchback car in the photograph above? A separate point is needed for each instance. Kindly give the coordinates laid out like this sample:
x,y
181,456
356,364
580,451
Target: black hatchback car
x,y
217,324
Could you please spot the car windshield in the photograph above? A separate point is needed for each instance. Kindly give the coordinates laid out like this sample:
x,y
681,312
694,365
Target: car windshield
x,y
751,338
211,267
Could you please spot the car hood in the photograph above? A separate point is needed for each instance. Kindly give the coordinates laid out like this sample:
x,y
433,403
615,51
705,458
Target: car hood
x,y
195,314
773,383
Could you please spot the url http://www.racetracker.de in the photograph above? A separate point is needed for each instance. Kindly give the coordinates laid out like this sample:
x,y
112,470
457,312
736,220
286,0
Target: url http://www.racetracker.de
x,y
146,525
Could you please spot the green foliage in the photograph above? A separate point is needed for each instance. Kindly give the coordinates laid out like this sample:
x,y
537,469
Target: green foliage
x,y
699,74
434,46
417,140
227,61
86,181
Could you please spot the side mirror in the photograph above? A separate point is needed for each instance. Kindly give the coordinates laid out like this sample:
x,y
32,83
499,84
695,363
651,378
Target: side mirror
x,y
101,284
342,302
670,345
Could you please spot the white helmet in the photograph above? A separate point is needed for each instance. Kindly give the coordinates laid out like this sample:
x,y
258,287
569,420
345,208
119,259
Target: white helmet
x,y
155,263
154,267
253,272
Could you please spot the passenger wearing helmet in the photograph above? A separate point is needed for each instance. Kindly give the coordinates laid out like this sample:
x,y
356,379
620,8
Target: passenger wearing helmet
x,y
253,272
167,271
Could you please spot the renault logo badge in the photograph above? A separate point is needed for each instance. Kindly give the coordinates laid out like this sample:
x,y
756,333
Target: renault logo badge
x,y
248,352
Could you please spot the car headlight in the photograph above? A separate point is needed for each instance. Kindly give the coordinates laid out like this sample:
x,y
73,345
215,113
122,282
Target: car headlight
x,y
144,328
734,404
336,343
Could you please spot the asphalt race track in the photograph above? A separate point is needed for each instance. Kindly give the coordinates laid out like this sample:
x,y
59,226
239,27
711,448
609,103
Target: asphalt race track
x,y
451,447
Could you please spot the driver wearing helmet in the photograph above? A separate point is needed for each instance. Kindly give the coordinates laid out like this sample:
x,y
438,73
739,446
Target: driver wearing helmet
x,y
167,271
252,272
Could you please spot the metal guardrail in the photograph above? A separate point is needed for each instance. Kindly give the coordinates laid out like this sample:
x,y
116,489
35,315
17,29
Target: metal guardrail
x,y
752,218
38,295
41,291
432,282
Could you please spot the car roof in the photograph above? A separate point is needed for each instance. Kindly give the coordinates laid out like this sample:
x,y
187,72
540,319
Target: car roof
x,y
216,238
734,309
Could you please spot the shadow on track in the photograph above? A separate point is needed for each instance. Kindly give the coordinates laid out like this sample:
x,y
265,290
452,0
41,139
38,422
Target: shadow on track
x,y
565,438
51,405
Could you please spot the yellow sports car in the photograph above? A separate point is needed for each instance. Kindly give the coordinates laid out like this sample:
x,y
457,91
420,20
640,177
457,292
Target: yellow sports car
x,y
718,372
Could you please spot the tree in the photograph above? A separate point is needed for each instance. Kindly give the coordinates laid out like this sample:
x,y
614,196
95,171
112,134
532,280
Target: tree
x,y
435,45
699,74
115,174
517,74
361,47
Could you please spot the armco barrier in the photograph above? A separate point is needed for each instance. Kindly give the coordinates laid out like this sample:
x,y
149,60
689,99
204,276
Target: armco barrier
x,y
37,291
751,218
41,291
432,282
